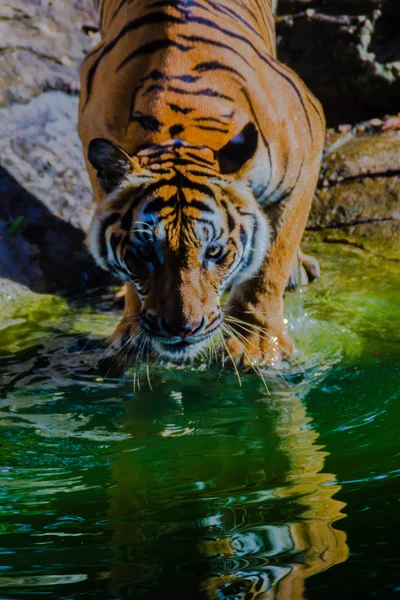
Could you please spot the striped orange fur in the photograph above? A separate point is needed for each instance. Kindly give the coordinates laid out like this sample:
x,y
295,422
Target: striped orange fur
x,y
203,151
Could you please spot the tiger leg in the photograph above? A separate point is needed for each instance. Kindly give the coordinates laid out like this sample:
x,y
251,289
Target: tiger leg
x,y
113,362
254,310
128,325
305,269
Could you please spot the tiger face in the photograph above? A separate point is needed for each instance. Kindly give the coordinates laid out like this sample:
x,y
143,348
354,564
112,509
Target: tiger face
x,y
181,224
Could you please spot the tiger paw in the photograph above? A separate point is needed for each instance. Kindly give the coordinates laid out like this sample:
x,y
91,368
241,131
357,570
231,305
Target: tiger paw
x,y
257,348
310,266
305,270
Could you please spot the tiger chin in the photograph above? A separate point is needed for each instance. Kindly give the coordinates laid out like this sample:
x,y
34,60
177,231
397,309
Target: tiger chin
x,y
177,241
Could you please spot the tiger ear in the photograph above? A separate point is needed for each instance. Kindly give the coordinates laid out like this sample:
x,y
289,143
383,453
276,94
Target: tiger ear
x,y
111,162
238,151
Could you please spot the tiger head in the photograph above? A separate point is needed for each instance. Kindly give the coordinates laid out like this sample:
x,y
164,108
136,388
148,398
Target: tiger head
x,y
181,224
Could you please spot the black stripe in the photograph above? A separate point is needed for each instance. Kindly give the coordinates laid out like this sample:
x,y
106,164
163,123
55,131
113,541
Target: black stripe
x,y
287,192
243,6
150,19
254,231
196,173
231,220
178,109
135,92
121,4
200,159
204,92
178,181
282,179
158,171
201,206
209,128
212,323
126,221
259,584
156,75
114,241
186,78
158,149
234,15
176,130
312,101
214,65
151,48
243,235
209,119
175,161
228,116
253,112
155,87
148,122
110,220
157,204
95,49
179,5
204,40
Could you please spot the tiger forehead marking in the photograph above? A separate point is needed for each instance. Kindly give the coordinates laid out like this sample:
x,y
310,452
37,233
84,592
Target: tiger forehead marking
x,y
194,134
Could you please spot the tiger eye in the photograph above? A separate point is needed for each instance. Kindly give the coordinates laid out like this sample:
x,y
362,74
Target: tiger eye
x,y
214,252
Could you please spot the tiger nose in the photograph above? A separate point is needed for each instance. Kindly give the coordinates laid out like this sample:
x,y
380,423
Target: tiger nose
x,y
181,329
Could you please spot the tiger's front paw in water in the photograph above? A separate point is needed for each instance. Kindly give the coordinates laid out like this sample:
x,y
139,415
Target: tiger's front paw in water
x,y
252,339
248,349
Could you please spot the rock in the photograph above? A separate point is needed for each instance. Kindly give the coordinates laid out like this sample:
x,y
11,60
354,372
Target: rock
x,y
359,181
37,248
347,52
16,301
40,147
46,200
379,239
42,43
357,202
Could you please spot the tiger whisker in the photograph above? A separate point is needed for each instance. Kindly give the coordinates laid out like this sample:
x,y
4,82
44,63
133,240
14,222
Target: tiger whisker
x,y
232,360
148,374
146,231
144,223
253,364
254,346
259,330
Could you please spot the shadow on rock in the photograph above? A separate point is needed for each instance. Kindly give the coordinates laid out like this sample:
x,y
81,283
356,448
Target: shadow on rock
x,y
38,249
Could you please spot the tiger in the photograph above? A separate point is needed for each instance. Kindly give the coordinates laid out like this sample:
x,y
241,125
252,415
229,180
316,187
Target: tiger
x,y
203,152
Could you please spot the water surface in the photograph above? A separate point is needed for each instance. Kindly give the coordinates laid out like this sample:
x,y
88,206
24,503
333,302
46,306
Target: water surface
x,y
200,488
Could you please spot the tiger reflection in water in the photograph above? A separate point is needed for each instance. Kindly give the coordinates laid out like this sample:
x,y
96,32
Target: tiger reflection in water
x,y
262,547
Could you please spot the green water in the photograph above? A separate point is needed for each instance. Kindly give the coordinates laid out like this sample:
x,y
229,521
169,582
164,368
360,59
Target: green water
x,y
200,488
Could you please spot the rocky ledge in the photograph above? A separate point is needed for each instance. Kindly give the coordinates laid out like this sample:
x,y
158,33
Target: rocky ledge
x,y
348,53
45,194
